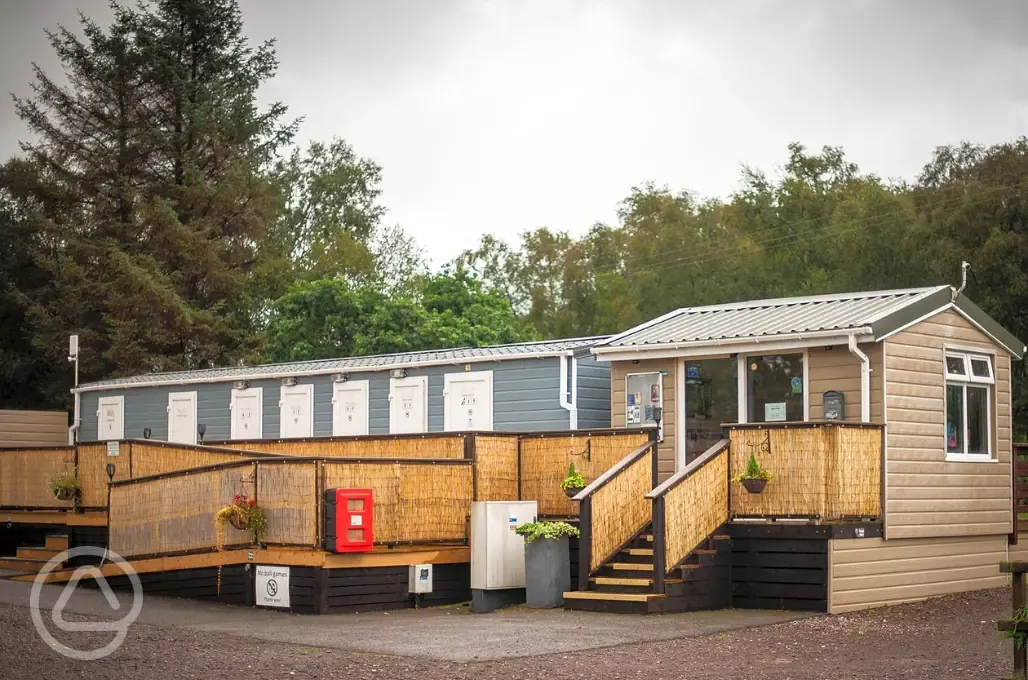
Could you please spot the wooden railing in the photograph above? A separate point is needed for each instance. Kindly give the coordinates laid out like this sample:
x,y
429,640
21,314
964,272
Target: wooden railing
x,y
1020,483
415,501
432,445
614,509
688,508
823,470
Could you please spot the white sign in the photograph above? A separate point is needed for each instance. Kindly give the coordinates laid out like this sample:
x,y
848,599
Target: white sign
x,y
272,586
774,412
114,448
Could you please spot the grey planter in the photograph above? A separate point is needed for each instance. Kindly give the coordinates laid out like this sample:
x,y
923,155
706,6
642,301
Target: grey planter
x,y
547,572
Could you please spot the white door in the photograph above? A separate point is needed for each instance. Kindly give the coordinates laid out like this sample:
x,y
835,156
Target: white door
x,y
350,408
110,415
468,399
247,414
297,411
182,417
408,405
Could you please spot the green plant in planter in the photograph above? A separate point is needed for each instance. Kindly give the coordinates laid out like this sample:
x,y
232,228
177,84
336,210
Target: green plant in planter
x,y
754,477
554,530
64,486
574,482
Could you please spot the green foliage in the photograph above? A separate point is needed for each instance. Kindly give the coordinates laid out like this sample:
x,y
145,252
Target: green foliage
x,y
64,484
753,471
533,531
1020,638
331,318
574,480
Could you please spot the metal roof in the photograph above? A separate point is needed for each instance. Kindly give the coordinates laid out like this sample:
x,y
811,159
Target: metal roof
x,y
379,362
873,314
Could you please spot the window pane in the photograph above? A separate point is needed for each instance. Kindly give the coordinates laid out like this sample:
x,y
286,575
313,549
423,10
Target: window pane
x,y
980,368
955,365
977,420
711,398
954,418
643,394
775,388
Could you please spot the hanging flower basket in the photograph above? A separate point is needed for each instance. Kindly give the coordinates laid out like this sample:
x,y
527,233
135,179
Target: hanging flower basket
x,y
243,514
572,491
573,483
65,494
237,520
64,486
754,485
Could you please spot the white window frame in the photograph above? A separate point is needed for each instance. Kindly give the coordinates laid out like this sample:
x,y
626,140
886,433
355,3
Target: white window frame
x,y
663,411
468,376
250,391
172,396
306,390
743,378
965,381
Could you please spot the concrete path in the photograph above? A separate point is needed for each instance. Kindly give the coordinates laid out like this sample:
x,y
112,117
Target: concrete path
x,y
444,633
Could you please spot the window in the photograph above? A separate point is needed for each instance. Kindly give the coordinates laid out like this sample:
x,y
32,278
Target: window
x,y
969,380
775,388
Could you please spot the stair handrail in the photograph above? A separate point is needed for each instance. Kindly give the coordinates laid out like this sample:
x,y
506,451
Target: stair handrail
x,y
658,496
584,499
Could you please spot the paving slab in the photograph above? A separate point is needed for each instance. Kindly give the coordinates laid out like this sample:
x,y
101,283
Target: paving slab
x,y
443,633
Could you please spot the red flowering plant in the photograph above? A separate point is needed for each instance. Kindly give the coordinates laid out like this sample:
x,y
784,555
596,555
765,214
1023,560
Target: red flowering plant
x,y
243,514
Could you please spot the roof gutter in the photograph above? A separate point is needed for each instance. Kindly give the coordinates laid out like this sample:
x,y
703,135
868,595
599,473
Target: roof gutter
x,y
865,379
727,343
569,402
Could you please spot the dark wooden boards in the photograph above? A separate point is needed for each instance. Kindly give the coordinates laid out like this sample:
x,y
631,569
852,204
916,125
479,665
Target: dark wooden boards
x,y
780,566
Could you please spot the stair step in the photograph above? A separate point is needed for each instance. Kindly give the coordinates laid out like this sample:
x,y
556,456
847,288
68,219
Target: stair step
x,y
630,566
704,551
721,537
628,581
37,554
611,597
22,565
57,542
640,551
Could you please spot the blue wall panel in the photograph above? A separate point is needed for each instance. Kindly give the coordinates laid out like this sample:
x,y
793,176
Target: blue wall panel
x,y
525,397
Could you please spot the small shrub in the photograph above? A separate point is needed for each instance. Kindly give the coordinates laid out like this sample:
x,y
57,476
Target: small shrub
x,y
555,530
574,480
753,471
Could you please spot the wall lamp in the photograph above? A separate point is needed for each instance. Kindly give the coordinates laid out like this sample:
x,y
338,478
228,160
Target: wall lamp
x,y
288,382
201,430
240,384
398,373
340,377
146,432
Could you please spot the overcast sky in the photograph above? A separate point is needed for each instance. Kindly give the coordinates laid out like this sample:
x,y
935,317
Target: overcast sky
x,y
501,116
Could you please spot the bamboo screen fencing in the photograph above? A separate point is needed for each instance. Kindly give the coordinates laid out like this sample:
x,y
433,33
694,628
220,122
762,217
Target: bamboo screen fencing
x,y
25,476
155,458
176,513
288,492
496,468
92,471
620,509
415,501
545,460
417,446
695,508
829,470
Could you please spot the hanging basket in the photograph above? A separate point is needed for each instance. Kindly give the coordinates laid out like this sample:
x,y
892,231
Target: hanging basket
x,y
65,494
573,491
238,520
753,485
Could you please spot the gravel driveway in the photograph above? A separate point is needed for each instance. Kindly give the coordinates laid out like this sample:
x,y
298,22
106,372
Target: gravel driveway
x,y
950,637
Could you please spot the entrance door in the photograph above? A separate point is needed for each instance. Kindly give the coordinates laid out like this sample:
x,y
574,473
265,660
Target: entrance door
x,y
408,407
297,411
110,415
350,408
468,401
711,398
247,419
182,417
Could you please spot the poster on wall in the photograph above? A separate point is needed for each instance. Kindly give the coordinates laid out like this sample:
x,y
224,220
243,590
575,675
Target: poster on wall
x,y
272,586
655,393
774,411
633,398
634,415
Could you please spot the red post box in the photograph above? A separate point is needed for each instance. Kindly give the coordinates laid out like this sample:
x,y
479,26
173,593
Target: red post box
x,y
349,522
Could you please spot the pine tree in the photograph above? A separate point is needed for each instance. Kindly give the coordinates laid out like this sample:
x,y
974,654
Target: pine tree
x,y
146,187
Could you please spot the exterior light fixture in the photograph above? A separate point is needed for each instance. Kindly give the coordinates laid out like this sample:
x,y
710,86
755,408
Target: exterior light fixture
x,y
398,373
201,430
240,384
146,432
340,377
110,471
288,382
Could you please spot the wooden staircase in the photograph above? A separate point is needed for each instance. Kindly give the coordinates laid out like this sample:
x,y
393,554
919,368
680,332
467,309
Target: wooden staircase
x,y
32,559
625,583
